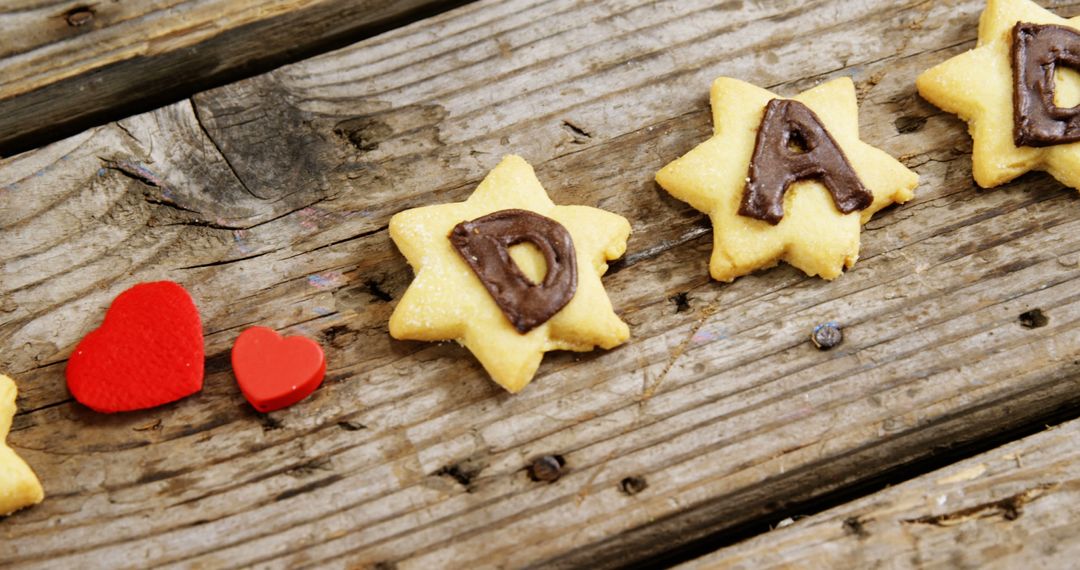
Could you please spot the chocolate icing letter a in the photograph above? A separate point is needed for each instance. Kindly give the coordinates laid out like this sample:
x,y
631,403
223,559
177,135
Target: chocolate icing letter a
x,y
484,244
1037,50
793,145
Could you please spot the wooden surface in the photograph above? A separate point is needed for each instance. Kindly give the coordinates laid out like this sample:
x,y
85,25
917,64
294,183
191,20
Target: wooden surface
x,y
66,63
1017,506
269,200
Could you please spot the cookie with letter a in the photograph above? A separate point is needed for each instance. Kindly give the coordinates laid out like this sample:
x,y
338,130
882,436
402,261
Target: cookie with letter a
x,y
786,179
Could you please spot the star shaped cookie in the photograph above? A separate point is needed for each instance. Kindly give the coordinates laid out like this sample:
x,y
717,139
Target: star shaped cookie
x,y
978,85
448,300
19,487
812,234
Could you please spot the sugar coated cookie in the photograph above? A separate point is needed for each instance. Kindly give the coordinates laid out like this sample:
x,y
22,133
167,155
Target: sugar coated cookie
x,y
1016,93
786,179
509,275
19,487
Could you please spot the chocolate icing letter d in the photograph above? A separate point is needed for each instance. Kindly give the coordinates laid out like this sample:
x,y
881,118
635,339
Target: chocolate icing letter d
x,y
793,145
484,244
1036,52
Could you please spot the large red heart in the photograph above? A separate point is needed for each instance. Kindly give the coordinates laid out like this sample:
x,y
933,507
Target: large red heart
x,y
275,372
147,352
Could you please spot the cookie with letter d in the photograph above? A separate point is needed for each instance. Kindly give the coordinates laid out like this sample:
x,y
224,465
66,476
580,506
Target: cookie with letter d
x,y
1018,91
509,274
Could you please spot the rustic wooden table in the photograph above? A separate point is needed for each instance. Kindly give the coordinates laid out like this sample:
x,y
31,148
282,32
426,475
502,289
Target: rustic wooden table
x,y
269,197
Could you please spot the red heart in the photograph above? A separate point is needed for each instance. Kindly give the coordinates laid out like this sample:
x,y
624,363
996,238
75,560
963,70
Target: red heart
x,y
275,372
147,352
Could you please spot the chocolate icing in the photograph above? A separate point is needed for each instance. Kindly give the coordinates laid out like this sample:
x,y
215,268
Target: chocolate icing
x,y
1037,50
793,145
484,243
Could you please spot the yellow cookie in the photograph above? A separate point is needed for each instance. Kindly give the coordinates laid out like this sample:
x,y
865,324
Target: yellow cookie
x,y
509,275
801,181
19,487
978,85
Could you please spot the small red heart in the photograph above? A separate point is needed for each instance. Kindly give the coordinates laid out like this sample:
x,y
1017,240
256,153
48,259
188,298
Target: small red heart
x,y
147,352
275,372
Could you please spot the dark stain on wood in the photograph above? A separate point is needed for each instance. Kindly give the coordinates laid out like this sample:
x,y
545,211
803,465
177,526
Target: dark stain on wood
x,y
909,124
681,301
462,473
363,133
855,526
339,336
375,289
309,487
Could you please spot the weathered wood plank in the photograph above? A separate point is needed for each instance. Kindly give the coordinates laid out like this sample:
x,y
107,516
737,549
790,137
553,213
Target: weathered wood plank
x,y
65,64
1017,506
269,199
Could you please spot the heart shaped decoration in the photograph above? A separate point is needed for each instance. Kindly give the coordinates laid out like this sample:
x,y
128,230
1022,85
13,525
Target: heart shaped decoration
x,y
147,352
275,372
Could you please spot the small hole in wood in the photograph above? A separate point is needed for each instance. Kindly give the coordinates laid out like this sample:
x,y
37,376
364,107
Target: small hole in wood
x,y
827,336
547,468
79,16
633,485
1034,319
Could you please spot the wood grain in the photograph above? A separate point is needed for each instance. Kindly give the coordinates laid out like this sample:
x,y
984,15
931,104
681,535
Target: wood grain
x,y
1014,507
65,64
269,200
